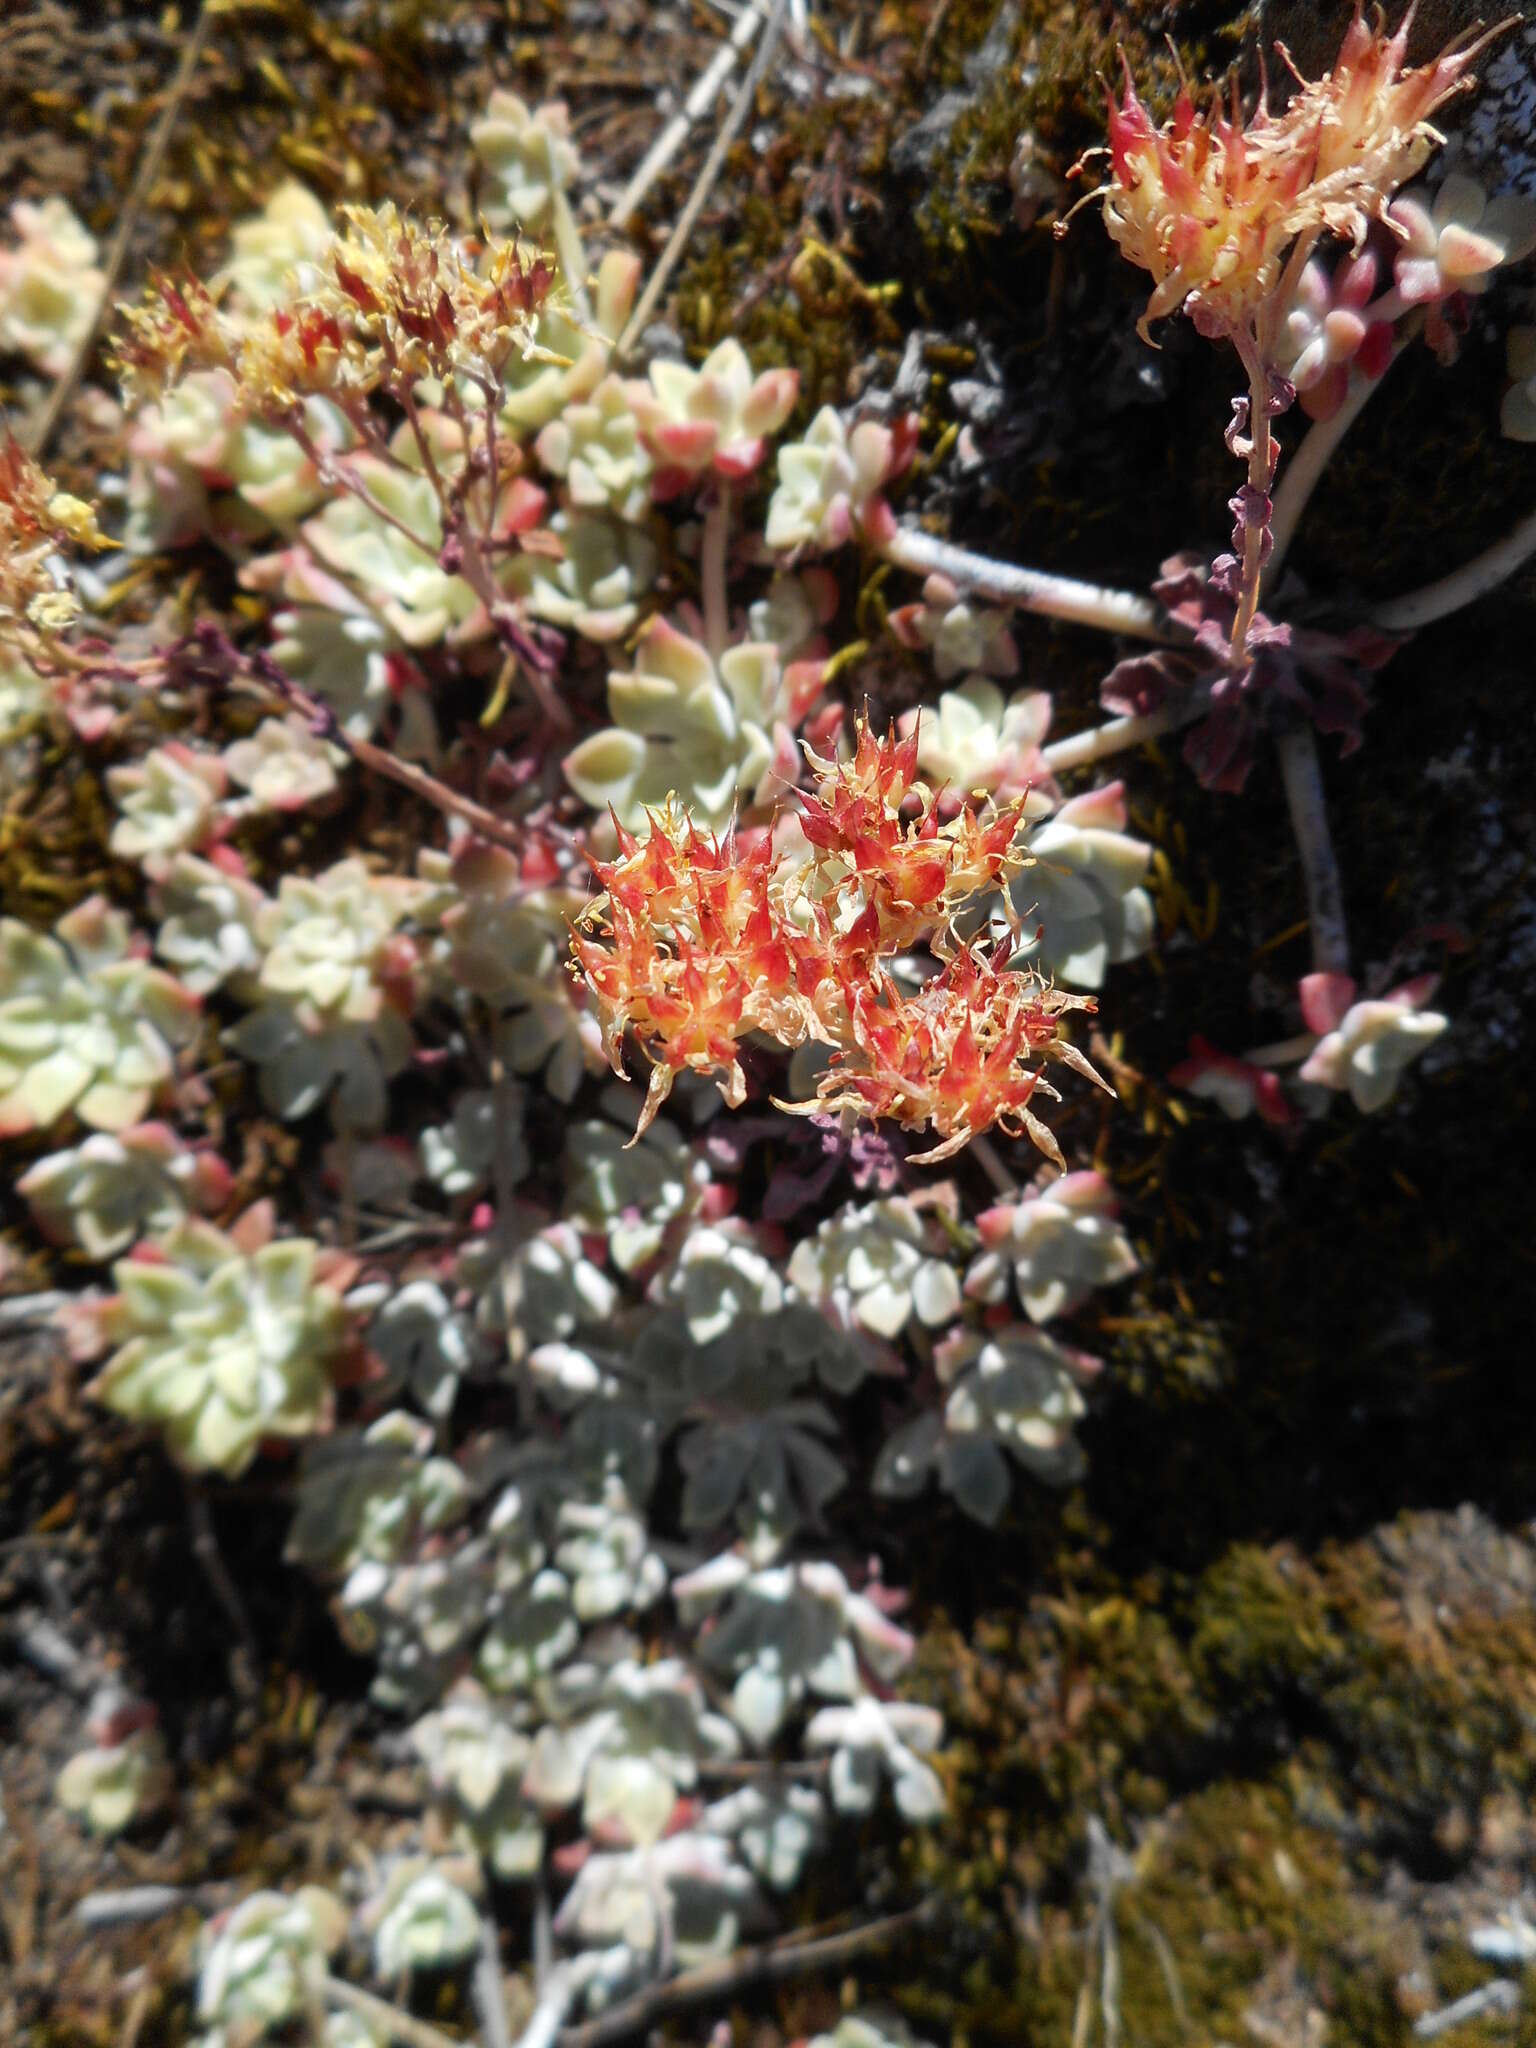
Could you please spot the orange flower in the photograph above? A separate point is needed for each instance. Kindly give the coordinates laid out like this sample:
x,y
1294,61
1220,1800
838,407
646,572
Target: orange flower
x,y
954,1057
904,877
697,941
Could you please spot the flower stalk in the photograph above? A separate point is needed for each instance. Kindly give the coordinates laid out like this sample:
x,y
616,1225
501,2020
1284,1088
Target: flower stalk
x,y
1302,776
1464,586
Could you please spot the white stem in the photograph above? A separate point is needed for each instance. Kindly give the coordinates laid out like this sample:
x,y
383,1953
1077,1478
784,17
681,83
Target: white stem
x,y
1302,775
1311,458
1028,590
706,87
1463,586
1120,734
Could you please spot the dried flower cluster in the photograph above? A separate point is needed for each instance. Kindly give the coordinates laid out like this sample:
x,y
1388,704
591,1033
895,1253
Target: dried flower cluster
x,y
391,298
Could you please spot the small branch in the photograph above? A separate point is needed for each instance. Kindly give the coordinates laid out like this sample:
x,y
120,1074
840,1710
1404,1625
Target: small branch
x,y
397,2025
700,99
1464,586
1029,590
133,1907
25,1311
382,762
732,126
770,1964
148,171
1502,1995
1302,774
47,1649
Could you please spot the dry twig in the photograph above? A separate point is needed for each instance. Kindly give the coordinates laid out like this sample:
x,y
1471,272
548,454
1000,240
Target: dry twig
x,y
732,126
149,170
700,99
771,1963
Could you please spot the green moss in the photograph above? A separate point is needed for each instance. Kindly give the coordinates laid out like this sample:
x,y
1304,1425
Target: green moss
x,y
1257,1735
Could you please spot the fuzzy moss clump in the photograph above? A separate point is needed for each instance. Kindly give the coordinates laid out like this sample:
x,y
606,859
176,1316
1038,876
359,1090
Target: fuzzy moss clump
x,y
1257,1739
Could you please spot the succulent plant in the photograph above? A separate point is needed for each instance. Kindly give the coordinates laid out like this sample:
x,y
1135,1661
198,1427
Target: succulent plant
x,y
1062,1240
502,941
25,696
475,1757
1014,1396
626,1741
85,1024
264,1963
775,1825
1084,890
717,1276
292,229
485,1133
283,765
326,1021
1367,1046
113,1188
418,1619
630,1190
399,577
595,448
873,1268
551,1289
424,1917
961,637
366,1497
785,1634
776,1471
272,476
422,1344
207,911
222,1340
603,1548
596,583
110,1785
532,1632
1237,1086
529,158
678,1903
870,1738
687,726
1458,241
50,285
346,656
167,802
570,357
715,418
974,740
830,482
